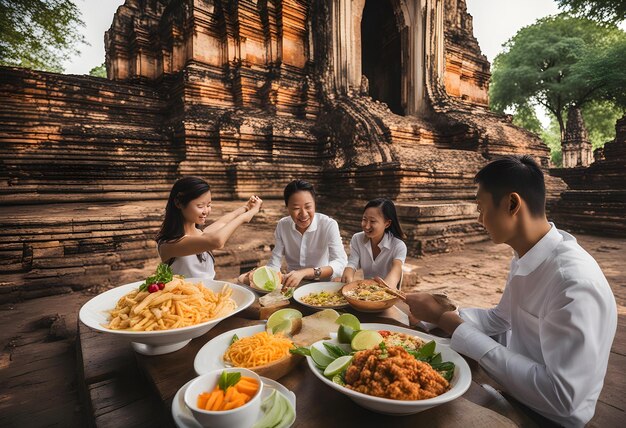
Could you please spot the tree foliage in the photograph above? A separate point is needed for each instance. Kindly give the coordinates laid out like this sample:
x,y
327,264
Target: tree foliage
x,y
559,62
607,11
99,71
39,34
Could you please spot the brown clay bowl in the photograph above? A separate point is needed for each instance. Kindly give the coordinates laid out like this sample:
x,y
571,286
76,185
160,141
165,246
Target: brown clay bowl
x,y
366,305
279,368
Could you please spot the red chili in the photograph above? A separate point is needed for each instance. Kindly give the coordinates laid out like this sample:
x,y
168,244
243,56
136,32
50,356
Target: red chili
x,y
384,333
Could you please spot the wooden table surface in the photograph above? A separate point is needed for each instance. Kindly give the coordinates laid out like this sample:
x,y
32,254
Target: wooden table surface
x,y
319,405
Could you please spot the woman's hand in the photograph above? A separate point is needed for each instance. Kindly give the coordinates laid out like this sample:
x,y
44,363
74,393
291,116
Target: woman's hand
x,y
254,206
293,278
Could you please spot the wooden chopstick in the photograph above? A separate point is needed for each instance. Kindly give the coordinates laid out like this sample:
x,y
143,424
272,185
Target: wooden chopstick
x,y
390,290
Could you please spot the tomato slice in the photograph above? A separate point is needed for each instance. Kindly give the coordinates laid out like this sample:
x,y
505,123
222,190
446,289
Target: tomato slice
x,y
384,333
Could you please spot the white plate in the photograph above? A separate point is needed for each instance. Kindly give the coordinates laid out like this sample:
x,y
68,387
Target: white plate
x,y
184,418
316,287
210,356
94,314
460,382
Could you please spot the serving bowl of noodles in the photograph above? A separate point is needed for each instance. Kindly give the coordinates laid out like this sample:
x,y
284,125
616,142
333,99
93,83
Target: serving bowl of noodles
x,y
164,321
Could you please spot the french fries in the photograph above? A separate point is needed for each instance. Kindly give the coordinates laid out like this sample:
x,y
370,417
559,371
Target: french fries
x,y
179,304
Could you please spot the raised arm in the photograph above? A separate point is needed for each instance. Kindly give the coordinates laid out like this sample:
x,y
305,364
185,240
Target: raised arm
x,y
209,240
227,218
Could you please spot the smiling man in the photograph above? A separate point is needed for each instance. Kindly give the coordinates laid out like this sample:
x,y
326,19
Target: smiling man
x,y
557,312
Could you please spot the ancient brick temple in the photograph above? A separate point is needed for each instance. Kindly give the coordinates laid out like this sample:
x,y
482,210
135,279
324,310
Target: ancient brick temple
x,y
595,201
364,98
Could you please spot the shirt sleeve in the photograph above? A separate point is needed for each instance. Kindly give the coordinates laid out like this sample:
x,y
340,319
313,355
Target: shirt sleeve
x,y
400,251
574,345
336,252
279,249
354,261
492,321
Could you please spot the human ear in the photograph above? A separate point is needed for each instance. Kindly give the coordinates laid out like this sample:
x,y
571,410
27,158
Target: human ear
x,y
515,203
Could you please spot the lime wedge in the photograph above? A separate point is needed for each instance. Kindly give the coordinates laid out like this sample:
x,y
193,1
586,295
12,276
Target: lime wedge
x,y
280,316
345,334
320,358
266,278
283,327
349,320
337,366
366,339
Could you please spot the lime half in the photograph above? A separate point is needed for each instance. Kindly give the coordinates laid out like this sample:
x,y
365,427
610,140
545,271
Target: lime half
x,y
345,334
320,358
366,339
337,366
280,316
349,320
266,278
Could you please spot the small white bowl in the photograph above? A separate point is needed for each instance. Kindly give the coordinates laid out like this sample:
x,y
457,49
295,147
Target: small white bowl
x,y
244,416
316,287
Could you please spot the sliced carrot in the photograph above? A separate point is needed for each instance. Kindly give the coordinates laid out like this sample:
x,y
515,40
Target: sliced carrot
x,y
202,399
211,400
219,401
247,389
229,393
248,379
234,404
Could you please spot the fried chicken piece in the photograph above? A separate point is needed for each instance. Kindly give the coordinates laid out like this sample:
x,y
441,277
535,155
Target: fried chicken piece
x,y
398,376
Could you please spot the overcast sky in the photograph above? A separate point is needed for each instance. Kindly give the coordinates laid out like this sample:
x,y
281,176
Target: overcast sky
x,y
495,21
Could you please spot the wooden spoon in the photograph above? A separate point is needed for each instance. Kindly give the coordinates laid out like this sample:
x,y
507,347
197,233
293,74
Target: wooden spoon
x,y
390,290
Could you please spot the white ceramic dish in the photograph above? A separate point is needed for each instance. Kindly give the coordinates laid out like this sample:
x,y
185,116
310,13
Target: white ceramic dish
x,y
242,416
209,357
316,287
459,384
94,314
184,418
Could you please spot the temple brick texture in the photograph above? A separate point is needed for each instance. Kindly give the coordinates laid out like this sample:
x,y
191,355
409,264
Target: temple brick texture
x,y
363,98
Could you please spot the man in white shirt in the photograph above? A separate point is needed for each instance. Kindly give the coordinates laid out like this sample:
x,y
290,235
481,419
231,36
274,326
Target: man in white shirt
x,y
557,310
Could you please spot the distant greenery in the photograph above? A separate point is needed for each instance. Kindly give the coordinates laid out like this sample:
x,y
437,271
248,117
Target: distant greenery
x,y
39,34
563,62
608,11
99,71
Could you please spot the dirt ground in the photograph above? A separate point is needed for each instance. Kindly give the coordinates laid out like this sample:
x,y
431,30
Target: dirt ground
x,y
38,375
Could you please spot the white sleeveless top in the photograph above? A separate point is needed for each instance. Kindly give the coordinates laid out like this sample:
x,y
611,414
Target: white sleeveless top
x,y
191,267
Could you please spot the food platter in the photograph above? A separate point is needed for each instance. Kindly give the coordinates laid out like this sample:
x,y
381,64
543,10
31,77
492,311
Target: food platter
x,y
95,315
316,287
459,383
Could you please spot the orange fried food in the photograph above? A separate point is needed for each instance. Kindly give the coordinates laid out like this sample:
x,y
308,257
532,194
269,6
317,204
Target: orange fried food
x,y
398,376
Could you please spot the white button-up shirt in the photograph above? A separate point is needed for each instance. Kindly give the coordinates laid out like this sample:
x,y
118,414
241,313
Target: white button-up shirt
x,y
361,255
560,317
319,246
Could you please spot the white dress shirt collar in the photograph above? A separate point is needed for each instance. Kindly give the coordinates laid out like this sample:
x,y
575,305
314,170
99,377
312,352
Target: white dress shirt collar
x,y
538,253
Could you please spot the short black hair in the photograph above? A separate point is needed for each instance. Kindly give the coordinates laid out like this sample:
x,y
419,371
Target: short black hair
x,y
298,186
519,174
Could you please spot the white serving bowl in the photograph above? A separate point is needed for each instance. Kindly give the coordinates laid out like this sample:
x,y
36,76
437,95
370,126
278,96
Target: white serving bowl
x,y
244,416
316,287
94,314
460,382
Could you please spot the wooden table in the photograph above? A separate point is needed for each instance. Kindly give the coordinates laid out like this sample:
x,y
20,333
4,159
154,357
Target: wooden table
x,y
319,405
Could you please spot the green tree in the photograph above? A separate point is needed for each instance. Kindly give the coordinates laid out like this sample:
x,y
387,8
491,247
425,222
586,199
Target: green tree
x,y
600,118
99,71
559,62
608,11
39,34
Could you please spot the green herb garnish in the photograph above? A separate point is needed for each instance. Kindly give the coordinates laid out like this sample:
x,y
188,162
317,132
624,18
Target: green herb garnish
x,y
334,351
228,379
163,274
234,339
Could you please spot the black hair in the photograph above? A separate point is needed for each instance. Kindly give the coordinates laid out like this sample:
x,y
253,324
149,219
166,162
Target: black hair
x,y
298,186
185,190
389,212
519,174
